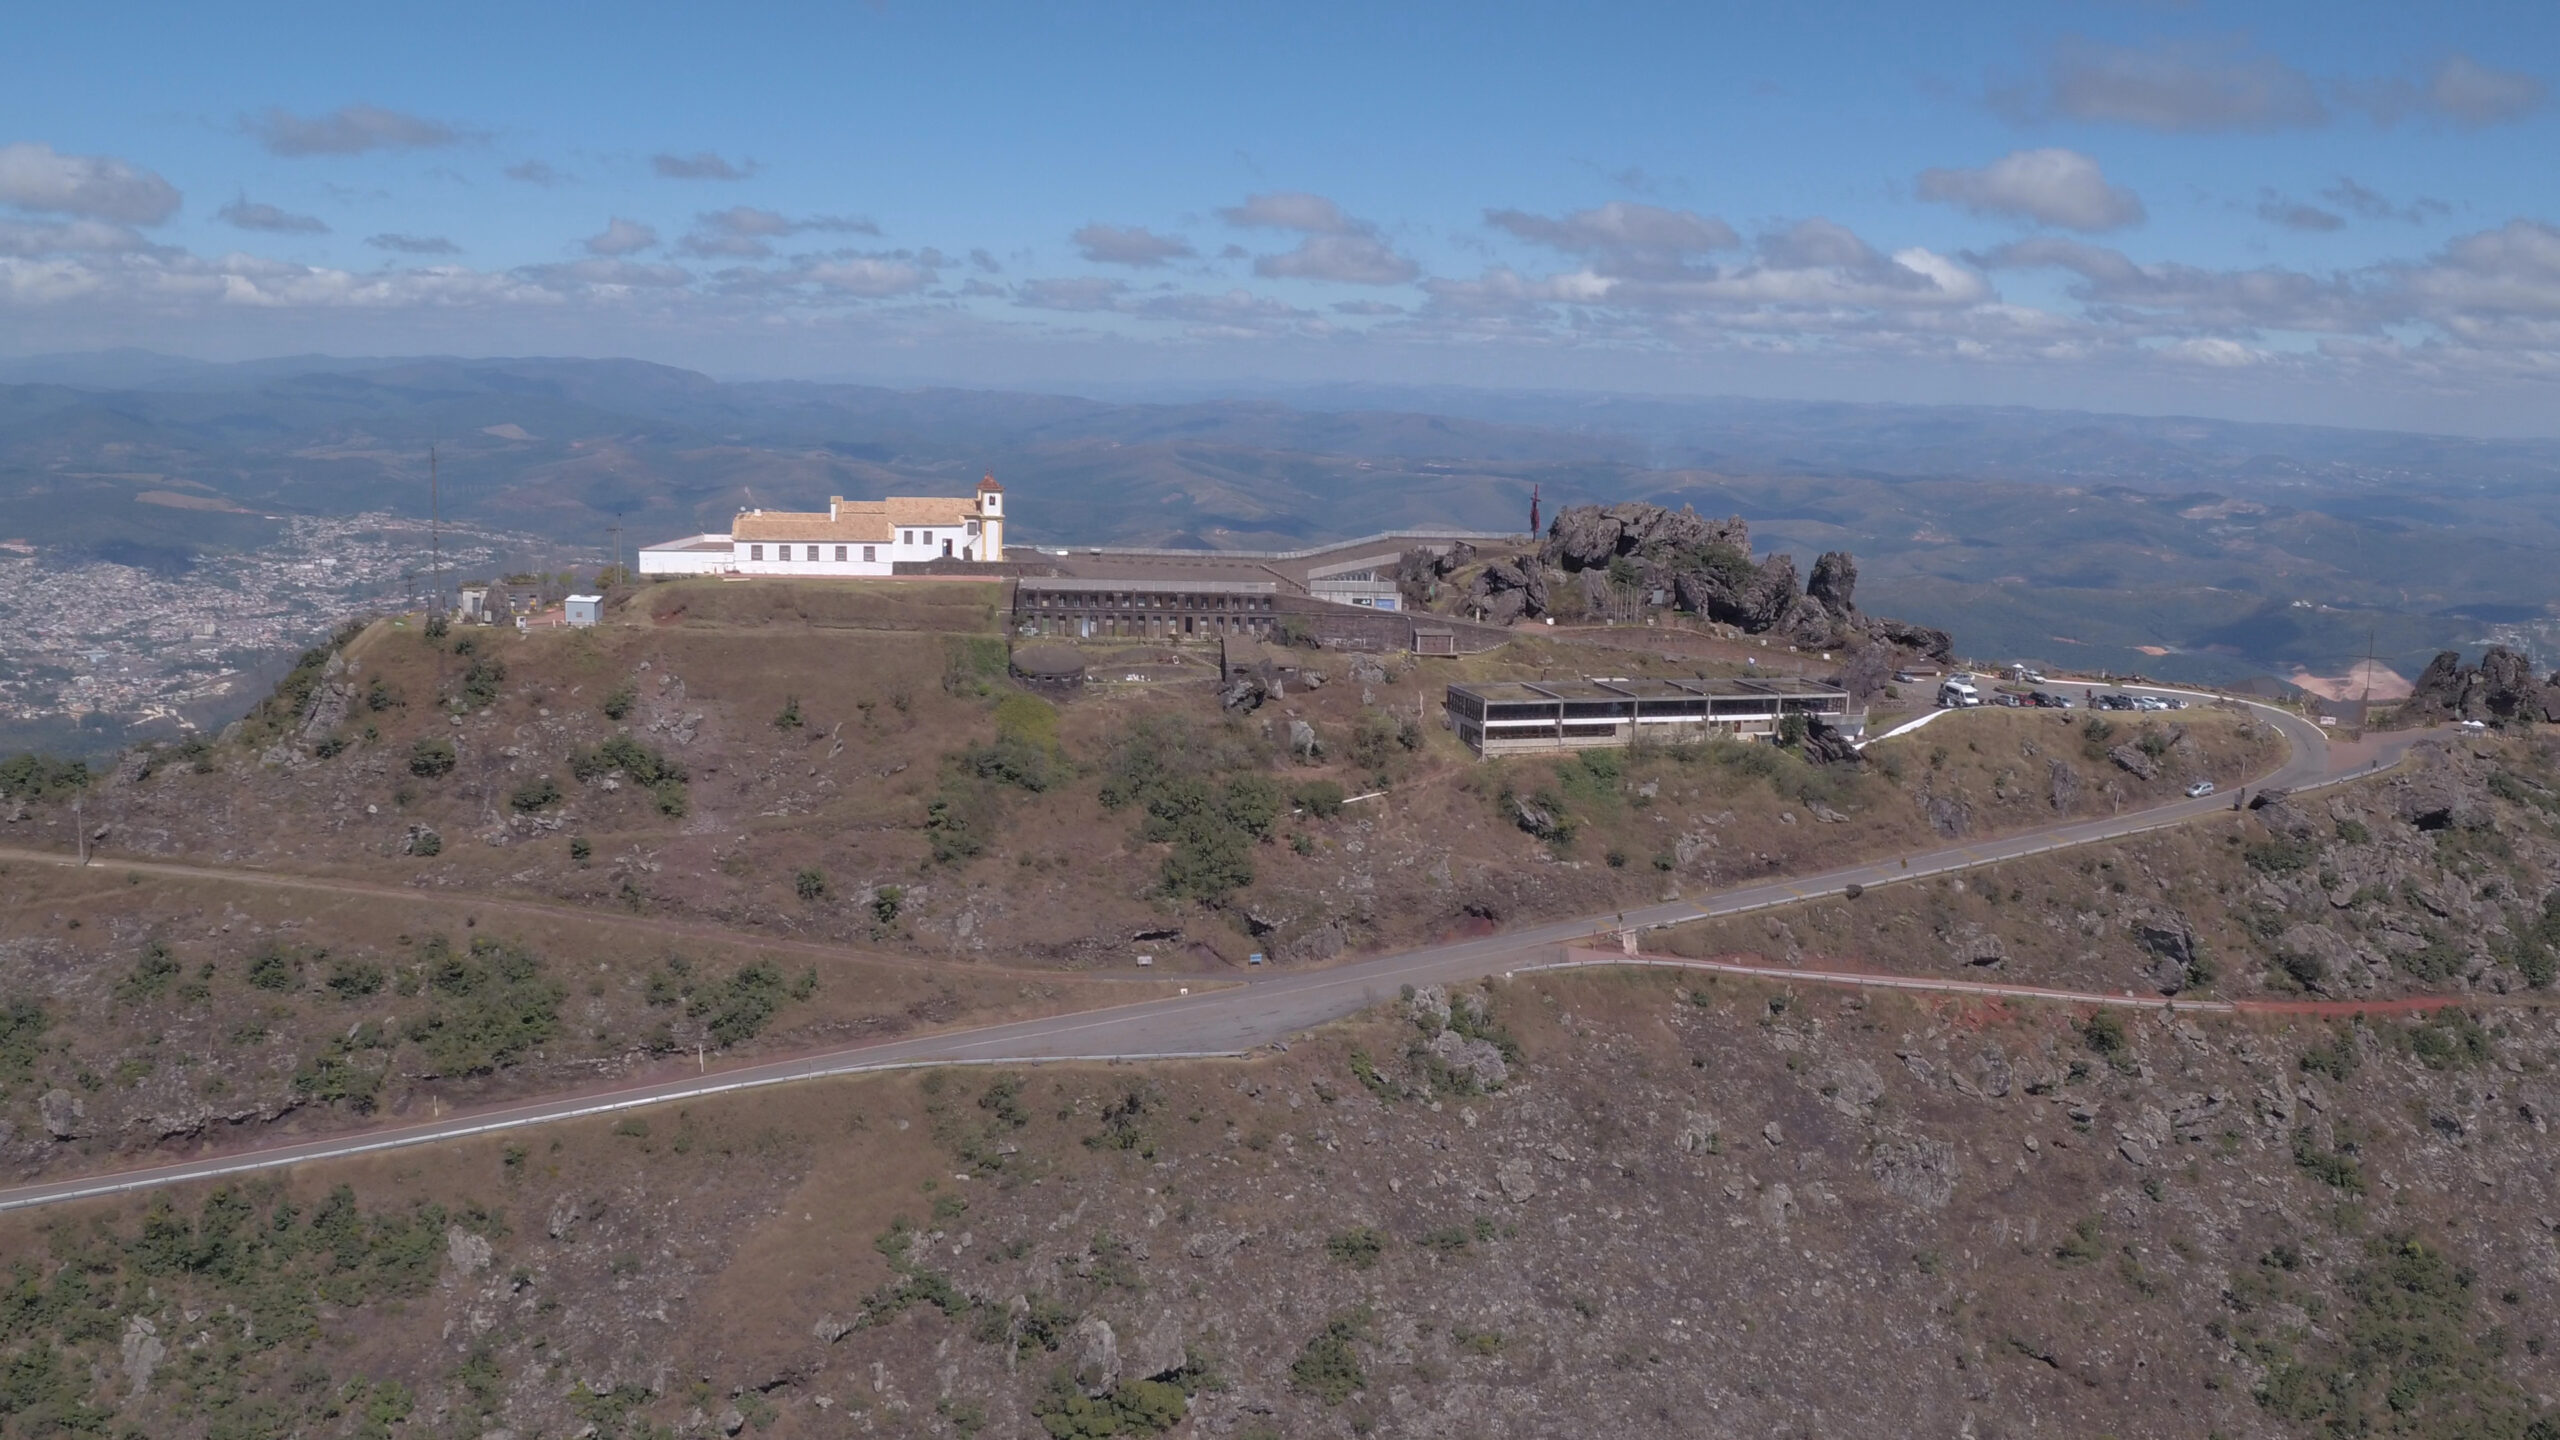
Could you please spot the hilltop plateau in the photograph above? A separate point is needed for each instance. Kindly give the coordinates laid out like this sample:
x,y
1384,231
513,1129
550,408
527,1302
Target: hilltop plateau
x,y
448,866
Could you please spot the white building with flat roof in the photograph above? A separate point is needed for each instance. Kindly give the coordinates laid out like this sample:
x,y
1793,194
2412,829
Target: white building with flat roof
x,y
849,537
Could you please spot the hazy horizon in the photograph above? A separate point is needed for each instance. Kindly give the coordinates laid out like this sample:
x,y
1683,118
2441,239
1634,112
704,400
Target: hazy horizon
x,y
2317,217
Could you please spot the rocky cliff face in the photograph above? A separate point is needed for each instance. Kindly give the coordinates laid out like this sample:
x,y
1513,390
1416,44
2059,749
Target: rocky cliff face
x,y
2501,687
1704,566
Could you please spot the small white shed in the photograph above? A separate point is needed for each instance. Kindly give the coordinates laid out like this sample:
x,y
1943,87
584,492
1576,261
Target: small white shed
x,y
582,610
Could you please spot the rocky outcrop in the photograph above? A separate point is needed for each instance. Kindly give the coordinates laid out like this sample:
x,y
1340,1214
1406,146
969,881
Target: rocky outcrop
x,y
2166,936
1420,574
1826,744
2133,761
2501,687
1703,566
1509,590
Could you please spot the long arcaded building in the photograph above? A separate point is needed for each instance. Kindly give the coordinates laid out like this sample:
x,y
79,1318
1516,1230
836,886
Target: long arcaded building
x,y
1507,717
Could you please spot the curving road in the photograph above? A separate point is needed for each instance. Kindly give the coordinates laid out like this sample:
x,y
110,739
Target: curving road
x,y
1236,1018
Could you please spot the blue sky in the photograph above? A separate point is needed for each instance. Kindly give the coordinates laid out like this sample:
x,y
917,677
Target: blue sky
x,y
2338,212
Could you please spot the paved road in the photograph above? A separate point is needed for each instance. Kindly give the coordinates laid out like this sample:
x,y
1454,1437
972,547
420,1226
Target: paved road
x,y
1238,1018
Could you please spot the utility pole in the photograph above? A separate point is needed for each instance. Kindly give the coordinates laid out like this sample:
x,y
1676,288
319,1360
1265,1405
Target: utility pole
x,y
80,828
2364,708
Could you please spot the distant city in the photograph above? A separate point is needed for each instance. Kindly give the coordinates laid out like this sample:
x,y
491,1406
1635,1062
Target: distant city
x,y
164,652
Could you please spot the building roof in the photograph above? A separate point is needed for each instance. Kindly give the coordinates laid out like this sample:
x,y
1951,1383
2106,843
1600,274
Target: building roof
x,y
1077,584
1532,692
847,524
866,521
989,483
705,541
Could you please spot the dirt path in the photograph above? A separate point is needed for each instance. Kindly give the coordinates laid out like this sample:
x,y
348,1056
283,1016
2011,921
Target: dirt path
x,y
654,926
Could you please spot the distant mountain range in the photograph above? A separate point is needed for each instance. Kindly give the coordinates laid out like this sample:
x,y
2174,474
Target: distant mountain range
x,y
2074,538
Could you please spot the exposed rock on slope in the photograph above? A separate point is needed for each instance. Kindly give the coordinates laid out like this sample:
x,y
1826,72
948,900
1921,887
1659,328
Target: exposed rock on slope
x,y
2501,687
1703,566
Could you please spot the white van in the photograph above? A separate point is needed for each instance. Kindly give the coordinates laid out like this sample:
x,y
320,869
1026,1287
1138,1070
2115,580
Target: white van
x,y
1958,694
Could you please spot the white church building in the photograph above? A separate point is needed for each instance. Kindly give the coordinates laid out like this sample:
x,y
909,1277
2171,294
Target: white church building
x,y
849,537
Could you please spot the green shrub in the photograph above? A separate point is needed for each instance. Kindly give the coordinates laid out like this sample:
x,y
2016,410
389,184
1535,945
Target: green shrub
x,y
480,683
426,844
885,902
1327,1366
2082,1245
539,793
490,1005
354,979
1358,1247
275,968
2335,1168
811,882
736,1010
617,703
432,756
1321,799
153,971
789,719
2279,855
2104,1033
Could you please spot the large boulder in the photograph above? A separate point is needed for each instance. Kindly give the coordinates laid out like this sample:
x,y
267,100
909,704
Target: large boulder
x,y
1834,579
1936,644
1584,536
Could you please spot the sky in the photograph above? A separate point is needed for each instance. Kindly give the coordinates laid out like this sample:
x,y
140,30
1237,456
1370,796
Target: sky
x,y
2344,212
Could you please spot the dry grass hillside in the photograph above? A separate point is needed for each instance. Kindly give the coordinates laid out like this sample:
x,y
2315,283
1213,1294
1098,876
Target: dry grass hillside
x,y
1639,1205
849,763
1643,1202
2438,878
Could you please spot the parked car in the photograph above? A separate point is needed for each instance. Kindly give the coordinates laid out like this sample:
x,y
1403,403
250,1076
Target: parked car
x,y
2200,789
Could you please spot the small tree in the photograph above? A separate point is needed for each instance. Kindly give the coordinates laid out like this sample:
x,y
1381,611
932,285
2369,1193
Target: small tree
x,y
789,719
811,882
431,756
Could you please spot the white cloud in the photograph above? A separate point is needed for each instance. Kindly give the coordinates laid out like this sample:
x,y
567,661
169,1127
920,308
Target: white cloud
x,y
1621,238
348,130
1072,293
1342,259
1338,248
537,172
2212,351
2459,89
621,237
247,214
2195,87
616,274
743,231
1291,210
75,237
1132,245
414,244
871,278
98,187
2053,186
700,165
2295,214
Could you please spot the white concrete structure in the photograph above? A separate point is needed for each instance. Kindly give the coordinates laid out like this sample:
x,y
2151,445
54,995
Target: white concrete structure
x,y
582,611
849,537
693,555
